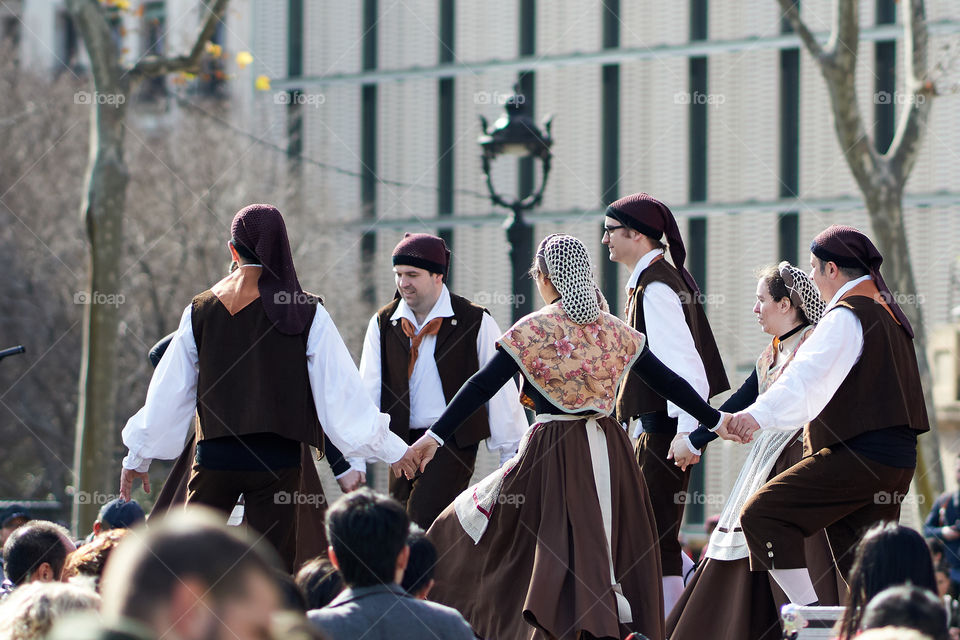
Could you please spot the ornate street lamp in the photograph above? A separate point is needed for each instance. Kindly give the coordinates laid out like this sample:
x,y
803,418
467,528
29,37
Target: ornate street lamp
x,y
516,134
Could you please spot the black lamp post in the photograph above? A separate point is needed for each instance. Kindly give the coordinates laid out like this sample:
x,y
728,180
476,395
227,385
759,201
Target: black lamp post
x,y
516,134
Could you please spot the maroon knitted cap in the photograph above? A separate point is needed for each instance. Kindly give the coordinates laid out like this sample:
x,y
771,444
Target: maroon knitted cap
x,y
259,228
644,213
423,251
849,248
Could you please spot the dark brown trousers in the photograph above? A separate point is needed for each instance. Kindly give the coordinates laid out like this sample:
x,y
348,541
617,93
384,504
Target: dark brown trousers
x,y
834,489
668,487
447,475
270,501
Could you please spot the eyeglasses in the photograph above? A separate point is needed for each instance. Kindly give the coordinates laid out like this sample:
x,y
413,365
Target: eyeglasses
x,y
608,231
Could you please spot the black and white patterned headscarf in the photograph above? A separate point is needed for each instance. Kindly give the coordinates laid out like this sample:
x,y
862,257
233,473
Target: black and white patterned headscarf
x,y
570,271
803,293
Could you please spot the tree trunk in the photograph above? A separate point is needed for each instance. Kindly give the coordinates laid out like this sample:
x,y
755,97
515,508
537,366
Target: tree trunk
x,y
102,213
885,205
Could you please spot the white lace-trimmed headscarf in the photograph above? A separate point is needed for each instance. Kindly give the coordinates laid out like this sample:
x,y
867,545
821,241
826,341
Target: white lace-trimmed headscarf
x,y
803,292
570,271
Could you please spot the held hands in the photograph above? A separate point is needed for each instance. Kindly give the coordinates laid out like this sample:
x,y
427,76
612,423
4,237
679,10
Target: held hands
x,y
738,428
426,447
680,453
127,480
407,465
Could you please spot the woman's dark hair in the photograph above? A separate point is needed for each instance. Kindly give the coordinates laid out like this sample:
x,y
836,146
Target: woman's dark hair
x,y
778,290
320,582
909,607
423,559
888,555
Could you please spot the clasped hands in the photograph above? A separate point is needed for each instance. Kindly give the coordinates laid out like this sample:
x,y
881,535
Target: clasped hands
x,y
738,428
416,458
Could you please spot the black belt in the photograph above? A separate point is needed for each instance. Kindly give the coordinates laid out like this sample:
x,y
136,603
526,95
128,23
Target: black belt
x,y
658,422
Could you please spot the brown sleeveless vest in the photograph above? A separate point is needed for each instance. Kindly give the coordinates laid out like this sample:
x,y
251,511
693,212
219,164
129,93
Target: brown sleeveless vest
x,y
883,387
635,398
456,357
252,378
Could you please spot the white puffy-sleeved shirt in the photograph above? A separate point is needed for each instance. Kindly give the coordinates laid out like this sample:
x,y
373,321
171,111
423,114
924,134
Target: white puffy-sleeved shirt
x,y
817,370
349,418
669,338
507,419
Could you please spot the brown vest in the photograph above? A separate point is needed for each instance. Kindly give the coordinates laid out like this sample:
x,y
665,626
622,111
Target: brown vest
x,y
456,357
883,387
252,378
635,398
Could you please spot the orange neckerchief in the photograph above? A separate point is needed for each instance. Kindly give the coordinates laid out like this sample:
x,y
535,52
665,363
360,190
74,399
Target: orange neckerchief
x,y
238,289
868,289
429,329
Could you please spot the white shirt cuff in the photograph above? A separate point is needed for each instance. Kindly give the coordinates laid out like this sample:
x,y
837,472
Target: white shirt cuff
x,y
135,462
714,428
394,448
435,436
694,451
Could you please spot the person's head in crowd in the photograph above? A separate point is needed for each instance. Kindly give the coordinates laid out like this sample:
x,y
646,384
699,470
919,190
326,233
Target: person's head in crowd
x,y
11,519
942,573
30,611
909,607
937,549
85,565
320,582
418,576
190,576
118,514
36,551
368,538
888,555
291,597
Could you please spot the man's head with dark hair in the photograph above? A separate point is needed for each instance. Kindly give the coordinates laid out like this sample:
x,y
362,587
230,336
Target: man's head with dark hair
x,y
192,577
909,607
368,538
418,577
320,582
36,551
11,519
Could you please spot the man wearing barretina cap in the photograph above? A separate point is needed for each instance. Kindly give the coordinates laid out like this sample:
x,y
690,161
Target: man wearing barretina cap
x,y
419,350
262,366
856,386
663,303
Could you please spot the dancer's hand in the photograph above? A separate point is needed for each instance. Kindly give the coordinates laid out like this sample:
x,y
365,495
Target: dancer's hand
x,y
127,480
407,465
426,447
743,427
351,480
680,453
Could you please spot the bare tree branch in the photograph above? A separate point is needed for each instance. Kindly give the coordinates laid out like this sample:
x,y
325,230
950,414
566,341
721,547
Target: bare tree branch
x,y
157,65
913,121
792,13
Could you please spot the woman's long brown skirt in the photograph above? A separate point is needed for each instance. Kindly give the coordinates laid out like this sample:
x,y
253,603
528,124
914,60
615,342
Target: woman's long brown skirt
x,y
541,568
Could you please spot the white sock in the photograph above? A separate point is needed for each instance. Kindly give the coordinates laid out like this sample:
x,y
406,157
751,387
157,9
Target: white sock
x,y
688,567
796,584
672,590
